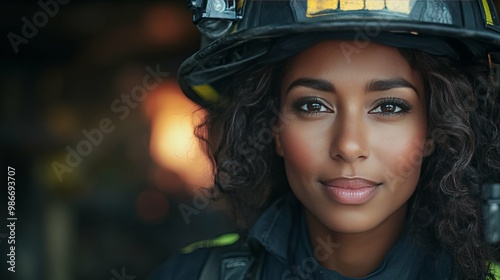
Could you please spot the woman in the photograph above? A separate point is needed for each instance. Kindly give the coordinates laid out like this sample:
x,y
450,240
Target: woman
x,y
351,139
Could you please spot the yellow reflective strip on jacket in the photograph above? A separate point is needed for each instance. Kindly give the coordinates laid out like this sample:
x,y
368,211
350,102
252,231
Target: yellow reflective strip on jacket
x,y
223,240
207,92
495,268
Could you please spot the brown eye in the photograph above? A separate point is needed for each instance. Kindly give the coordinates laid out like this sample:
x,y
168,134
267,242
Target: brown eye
x,y
388,108
313,107
391,107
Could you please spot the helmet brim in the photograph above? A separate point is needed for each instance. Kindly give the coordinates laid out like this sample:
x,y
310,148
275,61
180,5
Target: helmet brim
x,y
235,52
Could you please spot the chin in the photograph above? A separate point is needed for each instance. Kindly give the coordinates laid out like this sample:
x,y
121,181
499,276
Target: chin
x,y
359,225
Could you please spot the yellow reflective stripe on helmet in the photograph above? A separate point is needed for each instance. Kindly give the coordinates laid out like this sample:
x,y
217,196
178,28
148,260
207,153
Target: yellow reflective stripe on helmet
x,y
487,13
239,4
376,5
223,240
324,7
352,5
316,6
207,92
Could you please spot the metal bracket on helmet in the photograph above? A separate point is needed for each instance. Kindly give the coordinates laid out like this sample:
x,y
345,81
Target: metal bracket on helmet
x,y
214,9
215,18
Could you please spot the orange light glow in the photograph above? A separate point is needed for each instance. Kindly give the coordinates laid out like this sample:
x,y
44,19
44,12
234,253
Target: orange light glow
x,y
173,144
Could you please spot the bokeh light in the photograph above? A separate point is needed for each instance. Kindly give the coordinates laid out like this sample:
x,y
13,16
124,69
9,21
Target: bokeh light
x,y
173,144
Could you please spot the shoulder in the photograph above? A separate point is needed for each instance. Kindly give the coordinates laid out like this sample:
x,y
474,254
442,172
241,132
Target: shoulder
x,y
188,263
182,266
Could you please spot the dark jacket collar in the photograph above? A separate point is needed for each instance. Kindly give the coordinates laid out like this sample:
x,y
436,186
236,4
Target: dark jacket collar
x,y
280,230
273,227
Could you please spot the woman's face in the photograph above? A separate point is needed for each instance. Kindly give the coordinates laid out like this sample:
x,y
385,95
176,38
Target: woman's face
x,y
352,133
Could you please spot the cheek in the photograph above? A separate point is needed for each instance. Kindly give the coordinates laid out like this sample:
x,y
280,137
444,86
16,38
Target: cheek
x,y
400,154
296,150
302,149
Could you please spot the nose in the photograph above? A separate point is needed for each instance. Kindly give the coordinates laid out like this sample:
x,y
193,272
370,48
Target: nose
x,y
350,138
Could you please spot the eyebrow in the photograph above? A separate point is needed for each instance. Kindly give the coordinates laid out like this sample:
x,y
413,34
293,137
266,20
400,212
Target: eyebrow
x,y
317,84
374,85
383,85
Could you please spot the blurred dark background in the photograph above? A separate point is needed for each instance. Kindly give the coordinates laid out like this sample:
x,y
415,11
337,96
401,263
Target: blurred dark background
x,y
114,206
107,177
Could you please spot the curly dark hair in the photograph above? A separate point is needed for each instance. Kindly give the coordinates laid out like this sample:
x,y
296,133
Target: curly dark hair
x,y
445,212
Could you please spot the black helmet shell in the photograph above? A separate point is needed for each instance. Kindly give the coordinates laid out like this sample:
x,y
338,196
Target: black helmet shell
x,y
238,34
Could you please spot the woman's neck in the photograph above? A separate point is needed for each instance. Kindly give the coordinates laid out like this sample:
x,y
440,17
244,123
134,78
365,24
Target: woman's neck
x,y
356,254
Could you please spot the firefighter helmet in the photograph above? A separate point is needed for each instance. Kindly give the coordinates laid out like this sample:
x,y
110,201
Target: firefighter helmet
x,y
240,33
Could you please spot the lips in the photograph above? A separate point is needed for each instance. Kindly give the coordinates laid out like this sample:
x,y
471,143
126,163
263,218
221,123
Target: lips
x,y
347,183
351,191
